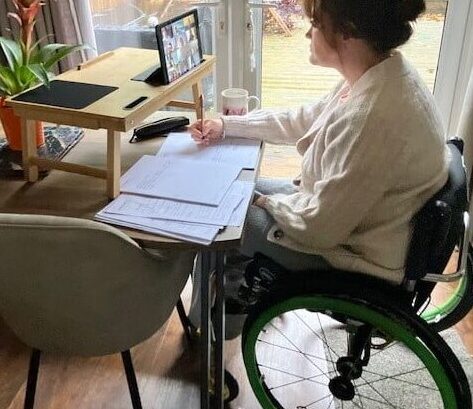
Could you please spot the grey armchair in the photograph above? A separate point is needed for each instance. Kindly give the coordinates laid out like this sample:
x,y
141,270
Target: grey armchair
x,y
84,288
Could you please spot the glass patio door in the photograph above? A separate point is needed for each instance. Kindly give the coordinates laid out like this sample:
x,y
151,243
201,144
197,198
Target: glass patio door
x,y
285,51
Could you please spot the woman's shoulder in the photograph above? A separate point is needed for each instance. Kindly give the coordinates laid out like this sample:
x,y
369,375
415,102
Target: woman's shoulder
x,y
395,98
394,115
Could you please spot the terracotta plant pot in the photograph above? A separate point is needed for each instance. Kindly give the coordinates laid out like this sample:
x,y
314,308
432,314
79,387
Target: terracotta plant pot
x,y
12,126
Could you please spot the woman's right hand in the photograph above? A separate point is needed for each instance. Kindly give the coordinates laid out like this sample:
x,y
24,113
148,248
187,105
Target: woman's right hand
x,y
212,132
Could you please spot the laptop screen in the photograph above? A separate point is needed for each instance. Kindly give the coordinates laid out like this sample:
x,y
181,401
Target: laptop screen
x,y
179,45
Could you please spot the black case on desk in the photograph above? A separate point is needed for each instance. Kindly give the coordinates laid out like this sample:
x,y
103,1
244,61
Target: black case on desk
x,y
158,128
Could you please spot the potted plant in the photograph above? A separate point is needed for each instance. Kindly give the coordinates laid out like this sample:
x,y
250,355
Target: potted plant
x,y
28,65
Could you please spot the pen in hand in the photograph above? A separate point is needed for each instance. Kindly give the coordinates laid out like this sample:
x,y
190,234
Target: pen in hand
x,y
201,102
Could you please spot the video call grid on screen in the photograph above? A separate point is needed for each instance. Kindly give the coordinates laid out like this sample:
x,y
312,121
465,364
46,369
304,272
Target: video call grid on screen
x,y
179,45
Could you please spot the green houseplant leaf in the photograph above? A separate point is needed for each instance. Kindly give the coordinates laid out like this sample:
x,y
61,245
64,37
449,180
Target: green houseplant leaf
x,y
9,81
52,53
39,71
13,52
20,74
25,77
27,63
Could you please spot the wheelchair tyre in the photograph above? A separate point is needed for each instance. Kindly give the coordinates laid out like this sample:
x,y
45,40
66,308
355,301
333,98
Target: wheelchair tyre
x,y
458,303
301,377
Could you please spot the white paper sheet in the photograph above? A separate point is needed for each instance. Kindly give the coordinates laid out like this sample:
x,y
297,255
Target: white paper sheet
x,y
236,151
154,208
202,234
239,214
179,179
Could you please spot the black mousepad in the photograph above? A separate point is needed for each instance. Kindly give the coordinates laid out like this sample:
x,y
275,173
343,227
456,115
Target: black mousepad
x,y
66,94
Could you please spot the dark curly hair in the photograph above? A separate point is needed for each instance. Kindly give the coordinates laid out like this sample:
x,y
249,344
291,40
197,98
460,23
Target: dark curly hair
x,y
383,24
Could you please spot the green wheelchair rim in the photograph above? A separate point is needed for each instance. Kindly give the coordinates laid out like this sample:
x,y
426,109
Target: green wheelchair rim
x,y
436,313
352,309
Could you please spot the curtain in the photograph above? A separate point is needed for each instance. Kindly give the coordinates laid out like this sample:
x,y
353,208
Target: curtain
x,y
59,21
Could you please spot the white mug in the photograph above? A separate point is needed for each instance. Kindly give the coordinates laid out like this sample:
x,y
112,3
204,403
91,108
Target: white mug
x,y
235,101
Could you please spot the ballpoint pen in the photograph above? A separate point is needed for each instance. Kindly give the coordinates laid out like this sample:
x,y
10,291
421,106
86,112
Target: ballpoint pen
x,y
201,102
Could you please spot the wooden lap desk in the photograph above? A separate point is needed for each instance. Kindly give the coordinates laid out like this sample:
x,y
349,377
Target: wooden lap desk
x,y
68,194
115,68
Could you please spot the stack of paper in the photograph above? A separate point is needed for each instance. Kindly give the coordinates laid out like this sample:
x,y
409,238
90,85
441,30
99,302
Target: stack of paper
x,y
186,191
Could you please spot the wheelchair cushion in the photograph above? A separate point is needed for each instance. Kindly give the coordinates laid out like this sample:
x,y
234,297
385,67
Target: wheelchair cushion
x,y
439,223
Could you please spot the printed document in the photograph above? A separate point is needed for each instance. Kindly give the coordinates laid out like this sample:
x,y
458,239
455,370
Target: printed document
x,y
179,179
155,208
239,214
197,233
236,151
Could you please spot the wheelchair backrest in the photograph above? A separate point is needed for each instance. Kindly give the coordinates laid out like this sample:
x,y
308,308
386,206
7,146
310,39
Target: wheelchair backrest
x,y
438,225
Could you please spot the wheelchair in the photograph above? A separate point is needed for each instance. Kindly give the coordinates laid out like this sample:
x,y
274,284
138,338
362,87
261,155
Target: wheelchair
x,y
337,339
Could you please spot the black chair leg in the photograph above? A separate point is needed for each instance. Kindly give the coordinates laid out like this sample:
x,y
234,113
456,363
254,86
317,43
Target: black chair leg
x,y
32,378
131,379
185,321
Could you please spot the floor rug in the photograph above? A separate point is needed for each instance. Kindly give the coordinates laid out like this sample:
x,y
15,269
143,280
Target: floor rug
x,y
58,141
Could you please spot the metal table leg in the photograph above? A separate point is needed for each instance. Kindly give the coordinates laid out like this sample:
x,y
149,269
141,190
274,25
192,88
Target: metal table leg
x,y
219,326
205,328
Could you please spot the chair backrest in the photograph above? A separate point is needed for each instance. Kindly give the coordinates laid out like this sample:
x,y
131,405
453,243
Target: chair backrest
x,y
81,287
438,226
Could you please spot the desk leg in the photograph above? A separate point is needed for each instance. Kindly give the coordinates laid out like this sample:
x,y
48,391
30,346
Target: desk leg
x,y
219,326
205,328
29,150
196,93
113,163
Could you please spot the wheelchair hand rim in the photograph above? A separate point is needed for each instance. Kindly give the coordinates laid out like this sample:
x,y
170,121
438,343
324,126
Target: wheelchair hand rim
x,y
436,313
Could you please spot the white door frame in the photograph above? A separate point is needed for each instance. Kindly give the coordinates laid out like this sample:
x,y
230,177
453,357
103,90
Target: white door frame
x,y
455,62
233,46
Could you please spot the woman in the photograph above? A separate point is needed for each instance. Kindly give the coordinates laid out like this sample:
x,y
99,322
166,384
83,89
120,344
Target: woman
x,y
373,150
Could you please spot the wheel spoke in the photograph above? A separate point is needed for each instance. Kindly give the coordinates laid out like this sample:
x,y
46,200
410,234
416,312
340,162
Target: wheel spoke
x,y
382,397
356,404
379,401
293,350
357,393
329,348
298,381
311,378
316,401
330,403
384,377
295,346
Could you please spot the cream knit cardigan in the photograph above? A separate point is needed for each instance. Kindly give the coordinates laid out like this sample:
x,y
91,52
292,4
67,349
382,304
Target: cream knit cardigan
x,y
370,160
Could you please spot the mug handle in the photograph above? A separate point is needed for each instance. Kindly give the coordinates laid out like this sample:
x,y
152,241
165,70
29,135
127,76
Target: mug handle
x,y
257,102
